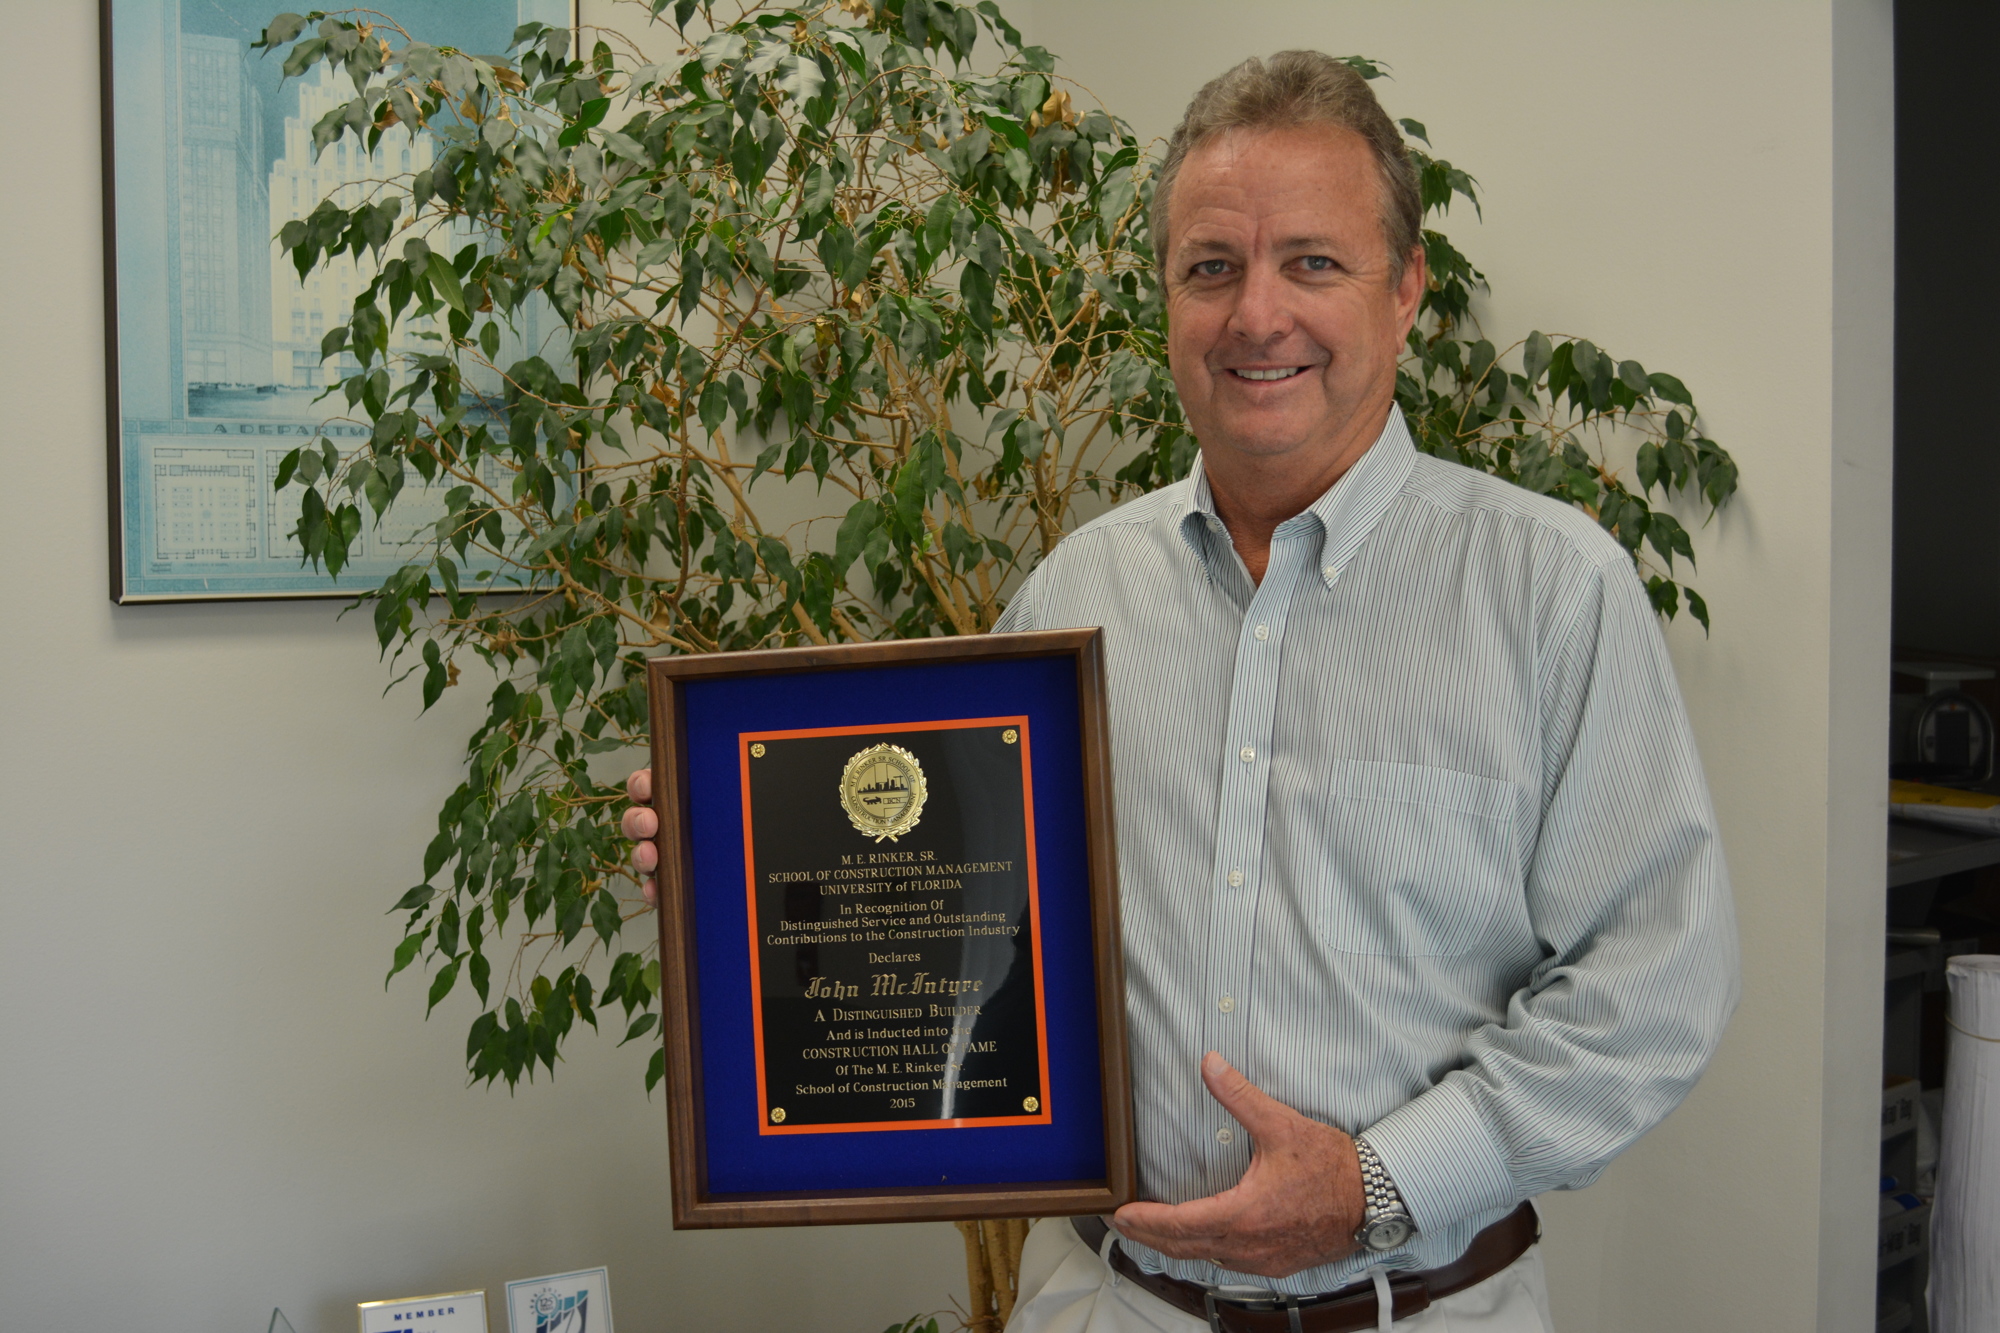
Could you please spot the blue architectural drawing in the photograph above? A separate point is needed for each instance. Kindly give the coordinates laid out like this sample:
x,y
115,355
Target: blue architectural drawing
x,y
218,362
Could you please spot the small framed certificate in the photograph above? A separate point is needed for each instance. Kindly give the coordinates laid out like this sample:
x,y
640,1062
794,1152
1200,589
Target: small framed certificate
x,y
453,1312
578,1302
889,938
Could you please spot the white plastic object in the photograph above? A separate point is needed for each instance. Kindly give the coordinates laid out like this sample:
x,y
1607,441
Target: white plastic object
x,y
1965,1224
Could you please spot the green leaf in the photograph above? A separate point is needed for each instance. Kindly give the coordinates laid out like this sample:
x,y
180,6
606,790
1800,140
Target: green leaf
x,y
1536,355
801,79
1009,129
1127,376
863,518
714,406
1698,608
405,952
975,286
415,898
441,985
280,30
1033,438
441,850
1479,360
1669,388
605,918
640,1027
436,675
1650,465
1017,165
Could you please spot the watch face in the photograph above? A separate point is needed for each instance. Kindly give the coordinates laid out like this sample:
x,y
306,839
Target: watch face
x,y
1386,1233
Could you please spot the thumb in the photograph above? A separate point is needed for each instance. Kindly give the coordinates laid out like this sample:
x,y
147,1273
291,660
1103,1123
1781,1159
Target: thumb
x,y
1253,1108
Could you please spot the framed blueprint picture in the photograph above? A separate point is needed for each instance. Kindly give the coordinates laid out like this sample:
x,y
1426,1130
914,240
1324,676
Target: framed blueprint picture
x,y
213,361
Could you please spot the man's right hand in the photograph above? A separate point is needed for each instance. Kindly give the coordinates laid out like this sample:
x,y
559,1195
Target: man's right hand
x,y
641,825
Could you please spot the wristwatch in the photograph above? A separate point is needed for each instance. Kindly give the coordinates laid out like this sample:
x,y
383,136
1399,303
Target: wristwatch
x,y
1385,1220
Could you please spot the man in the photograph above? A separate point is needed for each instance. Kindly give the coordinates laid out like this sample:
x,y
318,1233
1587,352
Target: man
x,y
1424,907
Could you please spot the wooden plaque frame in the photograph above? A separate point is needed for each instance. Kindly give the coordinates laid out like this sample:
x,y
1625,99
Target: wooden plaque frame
x,y
694,1204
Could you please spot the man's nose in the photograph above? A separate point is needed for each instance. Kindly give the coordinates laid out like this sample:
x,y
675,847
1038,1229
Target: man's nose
x,y
1263,310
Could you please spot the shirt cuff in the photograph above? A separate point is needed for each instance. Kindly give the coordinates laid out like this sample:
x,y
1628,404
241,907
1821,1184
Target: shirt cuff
x,y
1445,1165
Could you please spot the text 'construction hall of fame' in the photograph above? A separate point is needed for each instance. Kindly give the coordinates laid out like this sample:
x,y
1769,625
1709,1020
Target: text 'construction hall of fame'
x,y
893,916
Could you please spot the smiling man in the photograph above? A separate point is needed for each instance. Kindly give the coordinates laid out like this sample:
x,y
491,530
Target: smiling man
x,y
1425,911
1424,908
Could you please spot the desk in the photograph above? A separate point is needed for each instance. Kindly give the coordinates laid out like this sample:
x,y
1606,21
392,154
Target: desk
x,y
1919,852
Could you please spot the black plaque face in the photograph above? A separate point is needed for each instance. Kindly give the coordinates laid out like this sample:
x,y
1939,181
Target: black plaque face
x,y
892,906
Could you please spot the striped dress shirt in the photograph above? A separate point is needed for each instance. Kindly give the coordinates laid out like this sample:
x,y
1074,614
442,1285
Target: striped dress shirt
x,y
1413,832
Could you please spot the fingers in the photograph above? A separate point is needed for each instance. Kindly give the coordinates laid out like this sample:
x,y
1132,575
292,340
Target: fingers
x,y
645,856
1193,1230
1253,1108
642,825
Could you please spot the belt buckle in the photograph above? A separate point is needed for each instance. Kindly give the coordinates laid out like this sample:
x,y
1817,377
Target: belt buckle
x,y
1289,1304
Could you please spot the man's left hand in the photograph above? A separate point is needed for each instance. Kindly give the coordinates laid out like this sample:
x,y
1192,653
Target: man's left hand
x,y
1298,1206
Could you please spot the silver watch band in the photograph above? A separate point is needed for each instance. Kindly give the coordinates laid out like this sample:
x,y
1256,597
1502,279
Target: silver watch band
x,y
1377,1189
1382,1203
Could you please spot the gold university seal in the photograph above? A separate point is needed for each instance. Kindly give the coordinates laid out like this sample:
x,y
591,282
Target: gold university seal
x,y
882,789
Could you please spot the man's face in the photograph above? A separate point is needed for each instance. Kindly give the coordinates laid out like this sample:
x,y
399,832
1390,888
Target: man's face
x,y
1283,325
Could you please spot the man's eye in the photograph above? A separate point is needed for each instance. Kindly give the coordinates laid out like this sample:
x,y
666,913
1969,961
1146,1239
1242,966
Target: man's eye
x,y
1212,268
1318,264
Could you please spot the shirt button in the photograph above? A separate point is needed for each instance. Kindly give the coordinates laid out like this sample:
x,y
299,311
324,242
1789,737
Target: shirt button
x,y
1225,1135
1235,879
1328,571
1247,753
1227,1004
1263,631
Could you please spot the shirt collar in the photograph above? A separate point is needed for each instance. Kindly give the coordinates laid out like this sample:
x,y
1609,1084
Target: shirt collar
x,y
1344,514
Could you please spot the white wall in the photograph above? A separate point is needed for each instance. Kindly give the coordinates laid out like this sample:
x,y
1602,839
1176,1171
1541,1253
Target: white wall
x,y
1688,183
208,1104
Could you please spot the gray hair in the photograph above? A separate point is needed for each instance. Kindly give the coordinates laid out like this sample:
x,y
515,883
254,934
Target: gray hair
x,y
1300,88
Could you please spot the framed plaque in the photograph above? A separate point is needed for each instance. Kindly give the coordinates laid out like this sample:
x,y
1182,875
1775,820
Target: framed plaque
x,y
452,1312
578,1302
889,937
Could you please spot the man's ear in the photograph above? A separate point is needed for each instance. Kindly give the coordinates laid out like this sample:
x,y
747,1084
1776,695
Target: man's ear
x,y
1410,290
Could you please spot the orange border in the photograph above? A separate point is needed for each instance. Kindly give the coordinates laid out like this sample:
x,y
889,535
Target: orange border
x,y
764,1125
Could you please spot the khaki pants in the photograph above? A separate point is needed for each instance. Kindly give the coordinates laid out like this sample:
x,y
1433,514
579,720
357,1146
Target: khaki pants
x,y
1066,1288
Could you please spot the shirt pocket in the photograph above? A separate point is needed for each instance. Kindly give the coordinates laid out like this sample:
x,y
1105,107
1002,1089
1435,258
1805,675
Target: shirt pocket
x,y
1413,861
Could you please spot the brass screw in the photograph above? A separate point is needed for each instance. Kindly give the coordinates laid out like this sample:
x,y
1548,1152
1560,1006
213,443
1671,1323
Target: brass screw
x,y
1010,735
757,752
1031,1105
778,1115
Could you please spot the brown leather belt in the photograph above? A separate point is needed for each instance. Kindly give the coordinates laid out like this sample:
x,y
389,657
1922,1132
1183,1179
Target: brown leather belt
x,y
1351,1307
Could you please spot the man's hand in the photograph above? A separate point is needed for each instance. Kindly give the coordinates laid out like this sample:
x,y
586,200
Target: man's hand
x,y
1297,1207
641,825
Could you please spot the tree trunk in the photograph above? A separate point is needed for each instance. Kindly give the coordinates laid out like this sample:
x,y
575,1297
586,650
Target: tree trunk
x,y
992,1271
